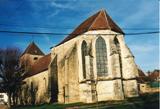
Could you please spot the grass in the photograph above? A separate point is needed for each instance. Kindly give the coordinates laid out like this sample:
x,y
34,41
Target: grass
x,y
147,101
49,106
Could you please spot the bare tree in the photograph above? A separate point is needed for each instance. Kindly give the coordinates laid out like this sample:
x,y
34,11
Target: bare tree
x,y
11,73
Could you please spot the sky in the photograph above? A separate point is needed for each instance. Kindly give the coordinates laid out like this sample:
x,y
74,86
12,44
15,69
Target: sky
x,y
62,16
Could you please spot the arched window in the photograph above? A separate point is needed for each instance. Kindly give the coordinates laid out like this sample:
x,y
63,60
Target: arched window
x,y
116,42
84,53
101,57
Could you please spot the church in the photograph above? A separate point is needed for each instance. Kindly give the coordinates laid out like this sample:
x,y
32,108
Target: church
x,y
92,64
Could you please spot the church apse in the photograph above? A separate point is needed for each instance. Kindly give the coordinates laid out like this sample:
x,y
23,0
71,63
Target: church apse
x,y
90,65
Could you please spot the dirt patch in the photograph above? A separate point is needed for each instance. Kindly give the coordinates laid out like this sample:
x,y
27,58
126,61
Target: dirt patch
x,y
3,106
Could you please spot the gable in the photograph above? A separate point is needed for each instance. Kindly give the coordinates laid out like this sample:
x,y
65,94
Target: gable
x,y
99,21
33,49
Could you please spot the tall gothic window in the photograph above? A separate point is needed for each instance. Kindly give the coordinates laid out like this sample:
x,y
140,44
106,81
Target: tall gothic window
x,y
84,53
101,57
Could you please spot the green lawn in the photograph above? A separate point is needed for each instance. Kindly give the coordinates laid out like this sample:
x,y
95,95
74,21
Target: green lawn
x,y
147,101
49,106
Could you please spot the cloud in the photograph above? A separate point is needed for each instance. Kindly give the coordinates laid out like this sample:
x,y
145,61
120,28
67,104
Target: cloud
x,y
62,6
53,14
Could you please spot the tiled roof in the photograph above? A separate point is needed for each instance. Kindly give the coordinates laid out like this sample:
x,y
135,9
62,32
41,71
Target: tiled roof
x,y
142,77
33,49
141,73
99,21
40,65
154,75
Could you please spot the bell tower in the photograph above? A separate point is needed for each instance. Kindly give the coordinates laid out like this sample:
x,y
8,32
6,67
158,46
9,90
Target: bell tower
x,y
30,55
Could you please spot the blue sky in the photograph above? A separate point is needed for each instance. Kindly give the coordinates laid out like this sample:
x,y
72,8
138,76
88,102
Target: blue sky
x,y
64,15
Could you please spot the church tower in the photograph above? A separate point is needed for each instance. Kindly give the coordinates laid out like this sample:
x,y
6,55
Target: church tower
x,y
30,55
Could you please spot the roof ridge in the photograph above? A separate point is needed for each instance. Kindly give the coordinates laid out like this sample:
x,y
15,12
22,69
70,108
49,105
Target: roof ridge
x,y
31,48
95,15
26,50
111,22
94,19
31,44
107,19
105,22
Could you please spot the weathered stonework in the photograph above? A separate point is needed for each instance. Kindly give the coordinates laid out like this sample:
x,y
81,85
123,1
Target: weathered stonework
x,y
29,59
35,89
75,73
115,86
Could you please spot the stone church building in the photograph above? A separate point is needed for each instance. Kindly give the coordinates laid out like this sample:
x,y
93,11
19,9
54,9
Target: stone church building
x,y
92,64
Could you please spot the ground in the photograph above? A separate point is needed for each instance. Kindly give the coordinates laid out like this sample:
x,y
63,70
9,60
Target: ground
x,y
146,101
3,106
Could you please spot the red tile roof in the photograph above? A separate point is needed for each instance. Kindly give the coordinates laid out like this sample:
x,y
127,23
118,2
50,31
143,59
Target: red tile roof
x,y
141,73
154,75
99,21
33,49
40,65
142,77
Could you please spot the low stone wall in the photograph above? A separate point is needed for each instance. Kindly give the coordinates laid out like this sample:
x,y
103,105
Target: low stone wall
x,y
145,88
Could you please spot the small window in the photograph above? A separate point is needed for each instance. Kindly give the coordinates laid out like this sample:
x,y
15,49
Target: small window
x,y
35,58
1,96
117,44
35,51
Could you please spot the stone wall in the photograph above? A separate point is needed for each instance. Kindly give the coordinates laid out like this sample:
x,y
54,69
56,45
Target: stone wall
x,y
53,80
35,89
71,77
145,88
129,70
121,66
130,88
67,65
85,91
28,60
